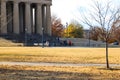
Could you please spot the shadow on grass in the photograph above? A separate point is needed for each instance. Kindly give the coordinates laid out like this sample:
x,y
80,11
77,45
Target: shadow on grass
x,y
111,69
115,69
7,74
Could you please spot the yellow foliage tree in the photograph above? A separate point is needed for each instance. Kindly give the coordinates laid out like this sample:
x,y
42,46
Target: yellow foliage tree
x,y
68,30
73,30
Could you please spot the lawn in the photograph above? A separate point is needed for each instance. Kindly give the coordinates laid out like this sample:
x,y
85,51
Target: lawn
x,y
57,73
62,55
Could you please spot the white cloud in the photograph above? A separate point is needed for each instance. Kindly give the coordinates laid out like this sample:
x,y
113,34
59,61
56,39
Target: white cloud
x,y
66,8
69,10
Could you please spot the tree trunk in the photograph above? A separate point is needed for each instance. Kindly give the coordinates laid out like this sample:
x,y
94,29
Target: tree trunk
x,y
107,61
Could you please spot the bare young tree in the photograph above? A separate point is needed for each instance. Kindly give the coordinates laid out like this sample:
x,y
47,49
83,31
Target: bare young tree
x,y
102,15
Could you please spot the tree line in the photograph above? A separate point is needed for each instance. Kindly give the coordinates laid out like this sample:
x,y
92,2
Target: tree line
x,y
72,30
75,30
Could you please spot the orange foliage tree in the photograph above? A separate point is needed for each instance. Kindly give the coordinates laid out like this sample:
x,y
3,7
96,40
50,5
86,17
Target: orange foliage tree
x,y
116,30
57,27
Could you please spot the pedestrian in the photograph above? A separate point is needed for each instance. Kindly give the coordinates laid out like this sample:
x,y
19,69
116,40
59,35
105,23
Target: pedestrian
x,y
47,43
70,43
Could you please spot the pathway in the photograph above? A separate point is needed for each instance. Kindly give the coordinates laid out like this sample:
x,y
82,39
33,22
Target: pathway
x,y
54,64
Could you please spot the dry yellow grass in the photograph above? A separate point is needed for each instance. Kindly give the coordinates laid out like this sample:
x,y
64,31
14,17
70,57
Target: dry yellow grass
x,y
57,73
65,55
8,43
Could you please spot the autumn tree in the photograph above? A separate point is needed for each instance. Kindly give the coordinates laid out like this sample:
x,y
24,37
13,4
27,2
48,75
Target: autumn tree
x,y
57,27
116,30
94,33
74,30
117,34
68,30
102,15
78,32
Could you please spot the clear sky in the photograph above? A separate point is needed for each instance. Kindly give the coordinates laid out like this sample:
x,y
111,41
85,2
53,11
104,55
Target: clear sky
x,y
68,10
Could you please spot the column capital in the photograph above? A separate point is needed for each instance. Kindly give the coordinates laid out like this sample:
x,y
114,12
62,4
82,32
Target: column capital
x,y
28,3
48,4
39,4
3,1
16,2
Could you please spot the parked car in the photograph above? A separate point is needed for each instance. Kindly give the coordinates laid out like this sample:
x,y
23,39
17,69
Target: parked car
x,y
116,43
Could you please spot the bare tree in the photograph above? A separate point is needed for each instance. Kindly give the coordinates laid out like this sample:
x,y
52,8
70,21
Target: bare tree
x,y
103,15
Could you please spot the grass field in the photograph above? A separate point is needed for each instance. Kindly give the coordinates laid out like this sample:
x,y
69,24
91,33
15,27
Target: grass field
x,y
57,73
63,55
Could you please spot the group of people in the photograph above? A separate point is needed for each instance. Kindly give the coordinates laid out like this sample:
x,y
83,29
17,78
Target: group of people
x,y
59,43
66,43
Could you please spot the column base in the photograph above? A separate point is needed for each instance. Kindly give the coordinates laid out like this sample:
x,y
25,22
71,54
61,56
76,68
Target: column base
x,y
28,39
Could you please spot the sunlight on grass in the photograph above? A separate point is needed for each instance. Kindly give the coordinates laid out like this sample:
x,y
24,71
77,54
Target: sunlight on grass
x,y
64,55
8,43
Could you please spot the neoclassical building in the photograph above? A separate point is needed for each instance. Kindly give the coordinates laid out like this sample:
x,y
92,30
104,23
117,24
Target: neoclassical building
x,y
25,16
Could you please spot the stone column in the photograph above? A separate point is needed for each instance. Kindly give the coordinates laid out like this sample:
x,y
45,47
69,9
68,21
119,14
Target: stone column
x,y
3,18
9,18
44,19
28,18
32,20
21,13
16,28
39,19
48,16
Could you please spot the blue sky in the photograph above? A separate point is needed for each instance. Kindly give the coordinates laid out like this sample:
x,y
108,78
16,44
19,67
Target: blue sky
x,y
68,10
